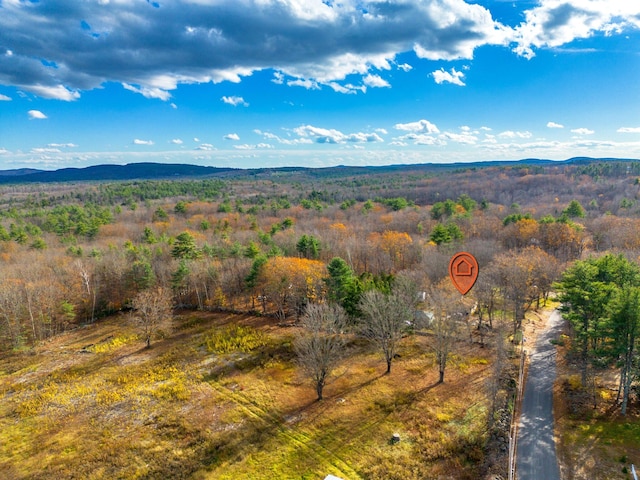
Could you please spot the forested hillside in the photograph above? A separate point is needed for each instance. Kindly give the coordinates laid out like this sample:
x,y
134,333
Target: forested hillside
x,y
72,253
275,244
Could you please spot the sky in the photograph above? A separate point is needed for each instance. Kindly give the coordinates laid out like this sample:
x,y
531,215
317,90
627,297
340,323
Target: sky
x,y
316,83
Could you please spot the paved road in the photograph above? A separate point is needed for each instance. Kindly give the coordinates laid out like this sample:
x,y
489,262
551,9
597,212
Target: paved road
x,y
536,454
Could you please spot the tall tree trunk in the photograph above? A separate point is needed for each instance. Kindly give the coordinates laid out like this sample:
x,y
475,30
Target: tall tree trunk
x,y
319,389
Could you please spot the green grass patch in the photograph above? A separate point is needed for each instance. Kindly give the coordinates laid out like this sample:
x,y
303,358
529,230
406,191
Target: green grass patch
x,y
611,433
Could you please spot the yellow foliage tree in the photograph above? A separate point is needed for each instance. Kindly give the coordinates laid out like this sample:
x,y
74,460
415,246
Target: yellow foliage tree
x,y
291,283
395,244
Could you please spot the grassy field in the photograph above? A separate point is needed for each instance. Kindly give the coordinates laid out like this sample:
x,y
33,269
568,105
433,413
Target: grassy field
x,y
220,397
594,442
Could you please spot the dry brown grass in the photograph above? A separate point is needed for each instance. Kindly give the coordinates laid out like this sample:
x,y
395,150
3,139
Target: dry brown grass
x,y
94,403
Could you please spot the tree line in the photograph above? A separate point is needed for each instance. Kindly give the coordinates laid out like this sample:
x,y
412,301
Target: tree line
x,y
281,246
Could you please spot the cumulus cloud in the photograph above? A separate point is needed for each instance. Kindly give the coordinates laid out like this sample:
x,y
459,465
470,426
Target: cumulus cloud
x,y
4,98
57,92
36,115
235,101
628,130
45,150
512,134
554,125
424,126
553,24
453,76
417,139
207,147
177,141
259,146
137,141
582,131
375,81
466,137
62,145
323,135
149,92
152,50
304,83
232,136
284,141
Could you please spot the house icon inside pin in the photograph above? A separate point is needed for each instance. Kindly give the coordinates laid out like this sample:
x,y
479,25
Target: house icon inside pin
x,y
463,268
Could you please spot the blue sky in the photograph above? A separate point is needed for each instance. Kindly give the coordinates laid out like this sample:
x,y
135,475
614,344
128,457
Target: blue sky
x,y
259,83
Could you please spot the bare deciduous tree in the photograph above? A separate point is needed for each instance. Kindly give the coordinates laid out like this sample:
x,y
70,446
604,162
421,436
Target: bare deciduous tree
x,y
152,310
387,317
321,347
448,311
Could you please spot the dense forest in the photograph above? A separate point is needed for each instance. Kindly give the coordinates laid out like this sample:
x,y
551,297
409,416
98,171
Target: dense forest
x,y
308,247
72,253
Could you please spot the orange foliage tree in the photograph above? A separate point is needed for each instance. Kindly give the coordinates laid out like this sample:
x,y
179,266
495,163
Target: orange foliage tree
x,y
290,283
395,244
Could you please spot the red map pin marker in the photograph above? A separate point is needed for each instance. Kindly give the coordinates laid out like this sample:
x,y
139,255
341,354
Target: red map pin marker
x,y
463,270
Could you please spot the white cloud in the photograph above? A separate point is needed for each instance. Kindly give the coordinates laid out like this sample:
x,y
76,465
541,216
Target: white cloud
x,y
375,81
174,106
284,141
137,141
4,98
628,130
420,126
55,92
278,78
553,23
512,134
62,145
235,101
232,136
207,147
442,76
149,92
259,146
304,83
405,67
554,125
36,115
177,141
323,135
331,41
201,42
45,150
423,139
465,138
348,88
582,131
364,138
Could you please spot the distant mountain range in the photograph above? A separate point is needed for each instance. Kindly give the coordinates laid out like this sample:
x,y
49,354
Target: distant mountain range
x,y
150,171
